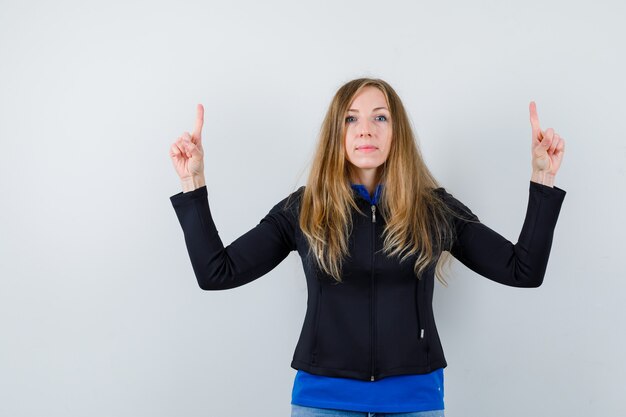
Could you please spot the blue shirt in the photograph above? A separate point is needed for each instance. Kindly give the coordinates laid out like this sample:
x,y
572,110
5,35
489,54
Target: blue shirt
x,y
394,394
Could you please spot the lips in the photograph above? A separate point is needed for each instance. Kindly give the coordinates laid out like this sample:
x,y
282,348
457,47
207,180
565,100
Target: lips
x,y
365,149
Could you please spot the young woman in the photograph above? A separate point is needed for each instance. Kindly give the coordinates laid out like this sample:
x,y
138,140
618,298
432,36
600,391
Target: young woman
x,y
373,228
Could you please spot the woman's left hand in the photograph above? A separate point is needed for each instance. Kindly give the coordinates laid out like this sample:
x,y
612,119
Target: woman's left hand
x,y
547,150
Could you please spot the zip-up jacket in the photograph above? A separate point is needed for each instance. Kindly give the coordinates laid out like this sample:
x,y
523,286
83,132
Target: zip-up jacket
x,y
379,321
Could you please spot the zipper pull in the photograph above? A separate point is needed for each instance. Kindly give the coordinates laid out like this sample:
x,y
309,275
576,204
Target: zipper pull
x,y
373,213
421,333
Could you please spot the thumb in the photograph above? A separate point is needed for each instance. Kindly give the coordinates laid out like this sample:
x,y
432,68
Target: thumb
x,y
190,147
194,150
546,138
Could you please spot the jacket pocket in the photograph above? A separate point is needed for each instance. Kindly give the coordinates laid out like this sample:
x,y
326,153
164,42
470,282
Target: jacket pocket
x,y
316,325
420,316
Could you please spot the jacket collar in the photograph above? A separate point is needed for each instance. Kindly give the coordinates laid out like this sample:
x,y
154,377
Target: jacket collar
x,y
363,193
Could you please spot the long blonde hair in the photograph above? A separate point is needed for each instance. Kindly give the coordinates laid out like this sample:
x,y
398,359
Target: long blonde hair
x,y
416,221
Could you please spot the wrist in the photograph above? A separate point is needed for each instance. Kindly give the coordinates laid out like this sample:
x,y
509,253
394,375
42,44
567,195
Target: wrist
x,y
543,177
192,183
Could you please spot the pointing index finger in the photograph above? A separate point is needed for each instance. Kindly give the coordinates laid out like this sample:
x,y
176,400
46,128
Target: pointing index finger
x,y
197,130
534,119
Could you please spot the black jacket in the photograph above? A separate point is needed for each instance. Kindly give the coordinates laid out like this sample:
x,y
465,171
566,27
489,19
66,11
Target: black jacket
x,y
379,321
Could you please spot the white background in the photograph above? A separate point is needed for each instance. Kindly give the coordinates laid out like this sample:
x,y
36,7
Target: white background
x,y
100,313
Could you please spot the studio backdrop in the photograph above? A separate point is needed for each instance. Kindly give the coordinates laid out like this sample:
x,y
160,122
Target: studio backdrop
x,y
100,311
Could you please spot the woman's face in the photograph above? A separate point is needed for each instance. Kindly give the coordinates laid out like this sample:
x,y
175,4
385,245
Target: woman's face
x,y
368,132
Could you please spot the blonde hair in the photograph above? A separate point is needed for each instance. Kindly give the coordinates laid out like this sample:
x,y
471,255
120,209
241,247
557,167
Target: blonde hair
x,y
416,223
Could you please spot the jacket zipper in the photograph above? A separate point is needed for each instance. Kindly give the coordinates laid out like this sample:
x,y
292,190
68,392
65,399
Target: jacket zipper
x,y
372,286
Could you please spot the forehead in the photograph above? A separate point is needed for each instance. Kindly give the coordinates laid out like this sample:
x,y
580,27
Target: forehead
x,y
368,97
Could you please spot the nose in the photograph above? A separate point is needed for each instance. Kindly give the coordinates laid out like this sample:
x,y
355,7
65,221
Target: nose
x,y
365,128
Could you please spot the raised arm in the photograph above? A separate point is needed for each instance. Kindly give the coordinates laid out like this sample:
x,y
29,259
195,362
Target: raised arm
x,y
491,255
249,257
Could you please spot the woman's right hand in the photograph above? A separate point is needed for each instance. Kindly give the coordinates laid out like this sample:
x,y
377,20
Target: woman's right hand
x,y
187,153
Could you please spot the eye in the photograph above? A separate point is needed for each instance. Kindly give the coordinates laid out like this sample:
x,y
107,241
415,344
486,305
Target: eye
x,y
348,119
384,117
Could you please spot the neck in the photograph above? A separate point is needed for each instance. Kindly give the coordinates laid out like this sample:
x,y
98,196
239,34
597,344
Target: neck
x,y
368,178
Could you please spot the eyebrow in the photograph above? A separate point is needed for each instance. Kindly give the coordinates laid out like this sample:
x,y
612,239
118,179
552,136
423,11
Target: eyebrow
x,y
377,108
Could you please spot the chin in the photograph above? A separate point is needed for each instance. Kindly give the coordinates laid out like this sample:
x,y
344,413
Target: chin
x,y
368,165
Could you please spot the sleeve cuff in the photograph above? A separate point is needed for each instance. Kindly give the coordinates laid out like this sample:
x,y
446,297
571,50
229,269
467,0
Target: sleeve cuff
x,y
547,190
183,198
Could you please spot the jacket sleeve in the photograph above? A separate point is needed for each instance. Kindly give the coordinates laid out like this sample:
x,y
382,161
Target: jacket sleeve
x,y
489,254
247,258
